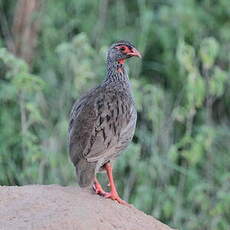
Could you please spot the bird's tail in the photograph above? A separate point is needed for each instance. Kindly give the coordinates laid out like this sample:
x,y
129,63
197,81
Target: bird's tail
x,y
85,172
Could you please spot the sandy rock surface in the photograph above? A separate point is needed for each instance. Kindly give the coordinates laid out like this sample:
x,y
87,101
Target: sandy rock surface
x,y
50,207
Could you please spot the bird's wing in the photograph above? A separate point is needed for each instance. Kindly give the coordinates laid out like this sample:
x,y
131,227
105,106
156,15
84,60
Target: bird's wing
x,y
99,122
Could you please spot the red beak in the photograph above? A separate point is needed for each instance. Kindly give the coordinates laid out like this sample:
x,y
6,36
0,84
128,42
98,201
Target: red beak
x,y
135,53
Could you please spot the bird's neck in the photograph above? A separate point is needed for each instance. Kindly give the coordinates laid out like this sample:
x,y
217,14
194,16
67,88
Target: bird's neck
x,y
116,71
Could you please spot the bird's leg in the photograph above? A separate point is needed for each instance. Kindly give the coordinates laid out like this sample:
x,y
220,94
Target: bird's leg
x,y
97,188
113,193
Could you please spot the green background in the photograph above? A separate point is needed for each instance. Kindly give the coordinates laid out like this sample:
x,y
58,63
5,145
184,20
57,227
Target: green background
x,y
178,165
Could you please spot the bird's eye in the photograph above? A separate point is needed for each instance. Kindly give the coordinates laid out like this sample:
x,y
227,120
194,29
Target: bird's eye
x,y
122,48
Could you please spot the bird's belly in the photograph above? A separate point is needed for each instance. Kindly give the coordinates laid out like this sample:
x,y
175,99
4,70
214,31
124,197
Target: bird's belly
x,y
114,152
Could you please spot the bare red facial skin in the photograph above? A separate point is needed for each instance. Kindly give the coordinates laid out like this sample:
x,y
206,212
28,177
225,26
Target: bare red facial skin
x,y
128,51
124,49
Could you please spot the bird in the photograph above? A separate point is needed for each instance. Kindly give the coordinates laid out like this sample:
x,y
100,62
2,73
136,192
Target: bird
x,y
102,122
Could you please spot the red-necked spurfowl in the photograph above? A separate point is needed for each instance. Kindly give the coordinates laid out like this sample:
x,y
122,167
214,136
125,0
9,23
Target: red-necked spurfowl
x,y
102,122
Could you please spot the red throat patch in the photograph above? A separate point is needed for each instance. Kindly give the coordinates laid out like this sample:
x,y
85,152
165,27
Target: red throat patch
x,y
121,61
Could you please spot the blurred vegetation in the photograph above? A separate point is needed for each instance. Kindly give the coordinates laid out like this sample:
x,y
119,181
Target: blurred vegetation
x,y
178,166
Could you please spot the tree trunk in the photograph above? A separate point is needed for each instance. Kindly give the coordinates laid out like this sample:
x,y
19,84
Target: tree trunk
x,y
25,29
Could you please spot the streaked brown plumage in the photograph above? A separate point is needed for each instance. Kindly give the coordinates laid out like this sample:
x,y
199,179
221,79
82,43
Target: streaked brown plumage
x,y
102,122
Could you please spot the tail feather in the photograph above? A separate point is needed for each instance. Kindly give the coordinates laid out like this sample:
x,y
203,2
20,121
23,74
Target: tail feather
x,y
85,172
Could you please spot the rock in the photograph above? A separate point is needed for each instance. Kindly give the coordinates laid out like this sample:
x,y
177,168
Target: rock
x,y
55,207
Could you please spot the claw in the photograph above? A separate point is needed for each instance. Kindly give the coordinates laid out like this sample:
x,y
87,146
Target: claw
x,y
116,197
113,194
98,189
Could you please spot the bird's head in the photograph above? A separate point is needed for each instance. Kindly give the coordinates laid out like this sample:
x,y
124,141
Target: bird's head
x,y
121,50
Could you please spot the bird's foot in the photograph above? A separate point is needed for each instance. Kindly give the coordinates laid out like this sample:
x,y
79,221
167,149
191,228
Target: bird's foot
x,y
98,189
115,196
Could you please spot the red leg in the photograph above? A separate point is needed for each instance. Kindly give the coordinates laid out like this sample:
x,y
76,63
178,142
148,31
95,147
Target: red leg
x,y
97,188
113,193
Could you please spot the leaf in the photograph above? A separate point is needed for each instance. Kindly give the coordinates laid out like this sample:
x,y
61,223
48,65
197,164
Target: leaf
x,y
186,56
209,49
218,82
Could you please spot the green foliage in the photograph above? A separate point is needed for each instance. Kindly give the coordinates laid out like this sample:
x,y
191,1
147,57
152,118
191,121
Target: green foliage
x,y
208,52
20,118
177,168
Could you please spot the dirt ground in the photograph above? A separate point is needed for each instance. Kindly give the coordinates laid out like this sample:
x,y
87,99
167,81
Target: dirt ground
x,y
50,207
